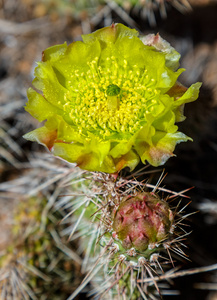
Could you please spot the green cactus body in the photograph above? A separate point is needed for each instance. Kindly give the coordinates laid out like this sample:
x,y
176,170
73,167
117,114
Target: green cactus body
x,y
33,259
125,235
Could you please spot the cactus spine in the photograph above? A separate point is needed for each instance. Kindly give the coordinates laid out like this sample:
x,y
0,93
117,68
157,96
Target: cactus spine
x,y
128,235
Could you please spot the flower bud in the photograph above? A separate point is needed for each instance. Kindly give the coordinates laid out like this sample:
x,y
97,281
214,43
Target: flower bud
x,y
142,221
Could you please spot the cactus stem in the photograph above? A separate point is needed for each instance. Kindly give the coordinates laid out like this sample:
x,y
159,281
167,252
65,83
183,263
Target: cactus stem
x,y
121,267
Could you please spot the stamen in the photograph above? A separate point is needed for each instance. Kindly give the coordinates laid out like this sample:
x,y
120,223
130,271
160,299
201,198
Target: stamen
x,y
110,99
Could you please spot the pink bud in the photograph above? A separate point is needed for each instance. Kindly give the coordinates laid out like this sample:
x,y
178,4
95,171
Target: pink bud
x,y
142,220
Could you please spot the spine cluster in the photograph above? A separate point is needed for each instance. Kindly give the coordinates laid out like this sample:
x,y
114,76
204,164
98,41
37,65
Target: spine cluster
x,y
133,235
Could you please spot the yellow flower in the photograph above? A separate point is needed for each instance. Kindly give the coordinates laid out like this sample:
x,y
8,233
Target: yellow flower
x,y
110,100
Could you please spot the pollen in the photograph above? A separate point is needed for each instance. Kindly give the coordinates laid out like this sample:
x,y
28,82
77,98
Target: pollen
x,y
109,98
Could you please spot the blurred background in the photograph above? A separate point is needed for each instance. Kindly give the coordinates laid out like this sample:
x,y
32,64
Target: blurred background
x,y
27,27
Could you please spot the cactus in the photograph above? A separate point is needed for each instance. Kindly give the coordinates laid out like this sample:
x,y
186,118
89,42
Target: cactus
x,y
127,236
33,266
109,102
146,9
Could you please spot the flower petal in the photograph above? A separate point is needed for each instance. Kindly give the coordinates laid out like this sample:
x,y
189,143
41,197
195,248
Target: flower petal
x,y
130,159
39,107
110,34
79,154
43,136
162,148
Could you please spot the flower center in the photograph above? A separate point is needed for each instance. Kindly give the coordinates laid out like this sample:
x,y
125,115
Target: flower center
x,y
113,97
110,97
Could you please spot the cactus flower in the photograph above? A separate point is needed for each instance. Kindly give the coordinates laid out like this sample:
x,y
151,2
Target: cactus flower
x,y
142,221
110,100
